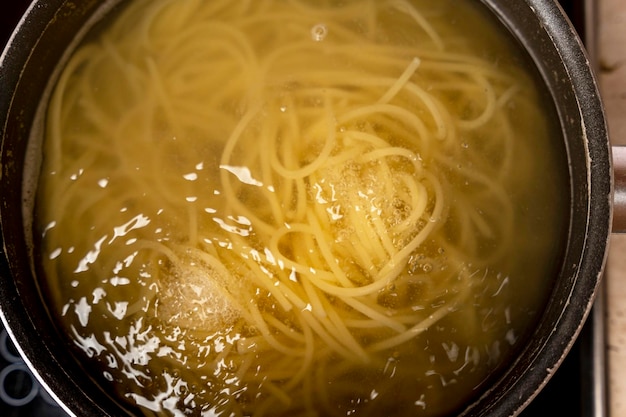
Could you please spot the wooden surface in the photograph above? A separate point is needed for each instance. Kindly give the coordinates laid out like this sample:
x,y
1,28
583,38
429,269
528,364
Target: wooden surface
x,y
612,59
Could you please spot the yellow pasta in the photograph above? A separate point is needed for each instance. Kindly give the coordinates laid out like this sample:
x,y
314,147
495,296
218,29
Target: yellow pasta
x,y
315,208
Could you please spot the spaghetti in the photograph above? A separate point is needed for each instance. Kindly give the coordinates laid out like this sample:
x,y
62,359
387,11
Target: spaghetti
x,y
248,208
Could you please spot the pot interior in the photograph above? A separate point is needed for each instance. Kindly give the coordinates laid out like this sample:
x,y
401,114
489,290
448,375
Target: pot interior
x,y
51,29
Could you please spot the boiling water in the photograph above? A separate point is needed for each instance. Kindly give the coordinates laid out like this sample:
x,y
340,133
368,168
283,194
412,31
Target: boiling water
x,y
289,208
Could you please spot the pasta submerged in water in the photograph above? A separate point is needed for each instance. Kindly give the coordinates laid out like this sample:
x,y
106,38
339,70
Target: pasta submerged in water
x,y
297,207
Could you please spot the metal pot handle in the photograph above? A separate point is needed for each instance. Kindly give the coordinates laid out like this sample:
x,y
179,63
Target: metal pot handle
x,y
619,196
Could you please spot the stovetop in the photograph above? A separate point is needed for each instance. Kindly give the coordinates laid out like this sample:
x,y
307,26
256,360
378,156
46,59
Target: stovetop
x,y
576,390
20,393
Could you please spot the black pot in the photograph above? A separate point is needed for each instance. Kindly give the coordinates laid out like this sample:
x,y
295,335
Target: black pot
x,y
51,25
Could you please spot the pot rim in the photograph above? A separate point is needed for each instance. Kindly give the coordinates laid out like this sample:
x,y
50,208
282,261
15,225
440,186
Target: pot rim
x,y
585,273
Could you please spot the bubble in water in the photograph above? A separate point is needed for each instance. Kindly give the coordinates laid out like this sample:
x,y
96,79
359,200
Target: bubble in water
x,y
319,32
